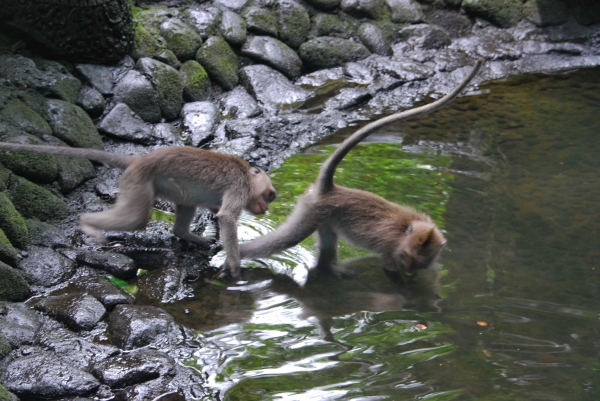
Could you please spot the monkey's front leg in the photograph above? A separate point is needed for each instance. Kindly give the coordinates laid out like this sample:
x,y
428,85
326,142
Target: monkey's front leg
x,y
183,218
328,253
228,228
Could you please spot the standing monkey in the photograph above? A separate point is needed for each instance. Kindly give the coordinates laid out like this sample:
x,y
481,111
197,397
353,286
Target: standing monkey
x,y
188,177
407,240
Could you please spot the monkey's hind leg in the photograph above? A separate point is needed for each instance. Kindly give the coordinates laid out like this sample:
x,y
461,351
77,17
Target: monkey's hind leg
x,y
328,253
183,218
131,212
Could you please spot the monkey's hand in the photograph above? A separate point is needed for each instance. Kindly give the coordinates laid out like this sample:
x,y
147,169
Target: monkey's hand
x,y
227,271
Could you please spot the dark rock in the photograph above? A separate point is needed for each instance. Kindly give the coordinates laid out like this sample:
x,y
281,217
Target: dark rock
x,y
196,83
145,43
325,4
137,92
163,285
330,25
10,256
13,287
220,62
198,120
456,24
168,57
233,28
181,39
117,264
132,368
405,11
404,70
17,114
274,53
48,235
91,101
44,267
12,223
327,52
204,21
504,13
425,36
293,23
374,39
261,21
372,9
148,258
122,122
39,167
43,374
168,83
133,326
348,98
99,76
71,124
77,311
239,104
33,201
19,324
272,89
102,289
546,12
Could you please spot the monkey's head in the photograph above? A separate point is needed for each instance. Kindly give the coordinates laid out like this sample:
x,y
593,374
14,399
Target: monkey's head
x,y
262,191
420,248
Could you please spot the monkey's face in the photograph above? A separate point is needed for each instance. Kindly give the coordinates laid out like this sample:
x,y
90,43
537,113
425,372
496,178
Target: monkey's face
x,y
263,192
420,248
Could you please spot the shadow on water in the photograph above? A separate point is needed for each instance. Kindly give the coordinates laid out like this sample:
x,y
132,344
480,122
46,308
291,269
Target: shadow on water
x,y
511,314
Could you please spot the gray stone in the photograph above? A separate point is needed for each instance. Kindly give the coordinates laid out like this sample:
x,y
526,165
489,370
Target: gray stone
x,y
546,12
330,25
504,13
261,21
196,83
235,5
374,39
272,89
163,285
233,28
19,324
293,23
168,84
198,120
137,92
99,76
405,11
134,326
456,24
168,57
39,167
238,147
181,39
122,122
425,36
71,124
47,235
239,104
220,61
404,70
204,21
348,98
168,134
45,267
116,264
13,287
372,9
19,115
77,311
91,101
327,52
103,290
274,53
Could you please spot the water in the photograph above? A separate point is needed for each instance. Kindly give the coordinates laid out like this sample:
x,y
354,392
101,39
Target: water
x,y
511,175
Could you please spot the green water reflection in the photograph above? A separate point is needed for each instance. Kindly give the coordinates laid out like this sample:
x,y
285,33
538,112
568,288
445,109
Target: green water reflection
x,y
512,175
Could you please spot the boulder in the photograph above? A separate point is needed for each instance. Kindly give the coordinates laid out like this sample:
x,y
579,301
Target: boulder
x,y
331,25
71,124
220,61
274,53
78,311
38,167
238,104
137,92
12,223
233,28
504,13
196,83
328,52
17,114
405,11
122,122
182,40
13,286
168,84
91,101
33,201
99,76
374,39
261,21
45,268
205,21
293,23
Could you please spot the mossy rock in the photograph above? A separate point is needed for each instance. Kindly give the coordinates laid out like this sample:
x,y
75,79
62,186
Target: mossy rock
x,y
72,171
168,84
72,124
33,201
22,117
546,12
196,83
332,25
37,167
144,43
12,223
8,254
181,39
6,395
328,52
45,234
219,60
5,348
294,23
4,177
261,21
13,287
504,13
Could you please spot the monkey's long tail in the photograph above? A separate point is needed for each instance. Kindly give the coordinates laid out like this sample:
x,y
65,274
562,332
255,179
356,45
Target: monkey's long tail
x,y
325,178
111,159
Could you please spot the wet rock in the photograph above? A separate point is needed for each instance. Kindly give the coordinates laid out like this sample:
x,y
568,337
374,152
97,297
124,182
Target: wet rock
x,y
17,114
47,235
588,13
504,13
71,124
19,324
372,9
13,286
43,374
359,73
238,104
327,52
134,326
325,4
272,89
196,83
261,21
199,120
348,98
168,57
181,39
330,25
293,22
145,43
250,128
235,5
38,167
122,122
8,255
425,36
77,311
274,53
103,290
91,101
44,267
99,76
204,21
148,258
48,78
118,265
132,368
33,201
546,12
456,24
233,28
12,223
168,84
137,92
168,134
5,347
405,11
323,82
402,69
220,62
239,147
493,44
164,285
374,39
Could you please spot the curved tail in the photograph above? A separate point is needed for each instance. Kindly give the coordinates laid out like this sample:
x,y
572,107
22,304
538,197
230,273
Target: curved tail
x,y
111,159
325,179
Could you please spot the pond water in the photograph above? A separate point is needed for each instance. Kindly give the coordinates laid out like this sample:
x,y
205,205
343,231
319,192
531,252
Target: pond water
x,y
512,177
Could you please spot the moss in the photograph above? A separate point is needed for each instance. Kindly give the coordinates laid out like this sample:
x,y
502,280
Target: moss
x,y
4,177
12,223
13,287
6,395
5,348
72,125
21,116
33,201
196,82
220,62
144,43
35,166
8,254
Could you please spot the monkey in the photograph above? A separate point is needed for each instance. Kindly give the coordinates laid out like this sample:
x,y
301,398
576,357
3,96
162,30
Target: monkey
x,y
188,177
406,239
